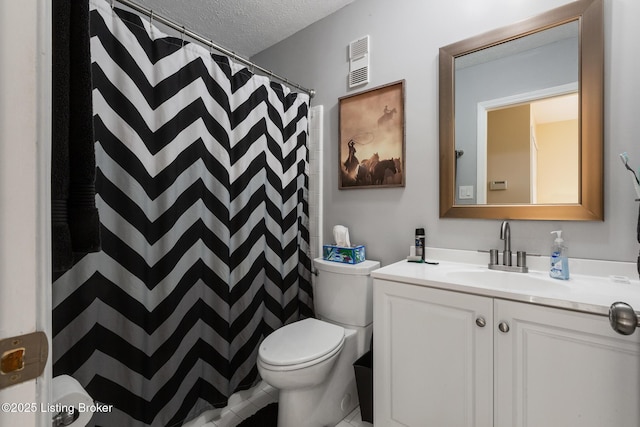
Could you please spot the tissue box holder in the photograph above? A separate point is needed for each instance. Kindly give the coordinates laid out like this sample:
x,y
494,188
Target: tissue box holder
x,y
343,254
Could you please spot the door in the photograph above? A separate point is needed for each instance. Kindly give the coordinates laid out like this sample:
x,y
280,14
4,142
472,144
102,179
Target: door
x,y
25,278
432,356
561,368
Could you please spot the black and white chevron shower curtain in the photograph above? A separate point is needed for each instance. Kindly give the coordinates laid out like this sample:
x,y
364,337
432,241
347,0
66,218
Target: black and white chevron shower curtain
x,y
201,188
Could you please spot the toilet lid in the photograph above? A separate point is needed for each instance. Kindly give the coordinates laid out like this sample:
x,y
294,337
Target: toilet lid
x,y
301,342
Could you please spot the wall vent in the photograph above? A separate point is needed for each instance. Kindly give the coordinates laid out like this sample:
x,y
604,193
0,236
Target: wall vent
x,y
359,62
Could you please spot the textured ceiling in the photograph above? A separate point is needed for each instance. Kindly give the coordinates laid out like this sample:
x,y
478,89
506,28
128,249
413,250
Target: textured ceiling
x,y
245,27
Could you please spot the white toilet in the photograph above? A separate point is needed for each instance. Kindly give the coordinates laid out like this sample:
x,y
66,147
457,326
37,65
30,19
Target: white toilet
x,y
311,361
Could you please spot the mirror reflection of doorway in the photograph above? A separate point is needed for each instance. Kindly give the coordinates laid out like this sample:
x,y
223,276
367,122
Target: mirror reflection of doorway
x,y
508,155
532,153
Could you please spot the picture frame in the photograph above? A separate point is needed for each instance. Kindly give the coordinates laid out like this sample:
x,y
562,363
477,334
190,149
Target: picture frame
x,y
372,138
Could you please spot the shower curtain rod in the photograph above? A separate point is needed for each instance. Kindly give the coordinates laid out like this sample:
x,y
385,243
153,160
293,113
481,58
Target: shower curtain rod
x,y
210,43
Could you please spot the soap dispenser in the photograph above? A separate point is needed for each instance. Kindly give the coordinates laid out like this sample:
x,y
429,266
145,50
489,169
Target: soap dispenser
x,y
559,260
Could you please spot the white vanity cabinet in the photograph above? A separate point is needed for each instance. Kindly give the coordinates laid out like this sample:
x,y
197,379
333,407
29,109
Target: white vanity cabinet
x,y
558,367
433,363
445,358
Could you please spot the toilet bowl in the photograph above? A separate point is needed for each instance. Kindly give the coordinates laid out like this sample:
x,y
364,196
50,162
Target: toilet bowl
x,y
315,377
310,361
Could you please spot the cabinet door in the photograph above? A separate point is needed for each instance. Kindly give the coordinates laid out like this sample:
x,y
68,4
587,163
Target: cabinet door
x,y
562,368
433,363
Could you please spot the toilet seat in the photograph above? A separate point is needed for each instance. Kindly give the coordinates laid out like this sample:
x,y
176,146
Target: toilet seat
x,y
301,344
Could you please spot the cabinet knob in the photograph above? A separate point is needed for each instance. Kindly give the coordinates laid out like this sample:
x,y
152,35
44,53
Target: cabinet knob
x,y
504,327
622,318
481,322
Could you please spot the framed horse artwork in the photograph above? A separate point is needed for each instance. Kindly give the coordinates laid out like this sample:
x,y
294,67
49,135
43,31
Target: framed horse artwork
x,y
372,146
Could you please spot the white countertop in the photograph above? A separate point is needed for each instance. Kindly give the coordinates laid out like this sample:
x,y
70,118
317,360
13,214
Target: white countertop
x,y
592,293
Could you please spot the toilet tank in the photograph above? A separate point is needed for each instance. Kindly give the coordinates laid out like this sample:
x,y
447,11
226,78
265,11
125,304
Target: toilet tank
x,y
343,293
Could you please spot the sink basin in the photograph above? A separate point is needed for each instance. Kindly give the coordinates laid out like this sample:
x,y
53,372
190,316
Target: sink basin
x,y
505,280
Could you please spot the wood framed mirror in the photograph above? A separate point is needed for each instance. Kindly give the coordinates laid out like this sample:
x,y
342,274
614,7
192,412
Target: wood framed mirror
x,y
488,170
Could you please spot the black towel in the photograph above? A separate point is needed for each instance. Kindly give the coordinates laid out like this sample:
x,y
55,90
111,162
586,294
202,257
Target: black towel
x,y
75,221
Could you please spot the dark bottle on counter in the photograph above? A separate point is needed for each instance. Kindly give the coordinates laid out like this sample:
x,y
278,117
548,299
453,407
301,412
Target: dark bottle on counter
x,y
420,240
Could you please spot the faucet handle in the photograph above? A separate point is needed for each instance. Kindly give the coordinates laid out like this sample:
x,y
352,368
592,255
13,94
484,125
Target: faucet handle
x,y
521,259
493,257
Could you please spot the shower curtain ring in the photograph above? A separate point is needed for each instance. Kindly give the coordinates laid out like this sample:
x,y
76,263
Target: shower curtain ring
x,y
183,32
151,23
113,4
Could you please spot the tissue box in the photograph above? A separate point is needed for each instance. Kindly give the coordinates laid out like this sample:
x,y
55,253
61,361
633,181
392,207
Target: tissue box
x,y
352,255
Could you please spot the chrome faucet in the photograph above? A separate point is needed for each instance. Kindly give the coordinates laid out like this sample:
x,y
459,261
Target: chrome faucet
x,y
521,266
505,234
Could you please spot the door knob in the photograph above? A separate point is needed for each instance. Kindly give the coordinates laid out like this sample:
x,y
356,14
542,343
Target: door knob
x,y
623,318
504,327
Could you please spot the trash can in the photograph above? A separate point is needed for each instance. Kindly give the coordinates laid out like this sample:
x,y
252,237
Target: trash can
x,y
364,382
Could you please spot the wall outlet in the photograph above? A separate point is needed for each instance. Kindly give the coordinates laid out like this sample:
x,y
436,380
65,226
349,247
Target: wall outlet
x,y
465,192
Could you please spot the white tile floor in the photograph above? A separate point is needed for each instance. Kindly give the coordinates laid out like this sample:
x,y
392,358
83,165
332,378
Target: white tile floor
x,y
246,403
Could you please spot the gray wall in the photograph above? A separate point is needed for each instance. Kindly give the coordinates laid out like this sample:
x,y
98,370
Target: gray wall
x,y
405,38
